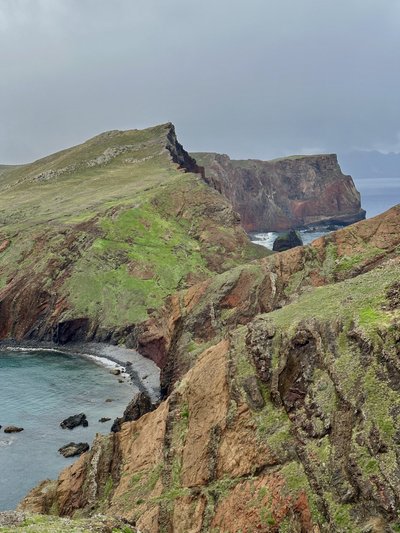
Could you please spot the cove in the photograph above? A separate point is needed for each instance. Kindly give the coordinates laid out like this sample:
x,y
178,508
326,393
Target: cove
x,y
38,389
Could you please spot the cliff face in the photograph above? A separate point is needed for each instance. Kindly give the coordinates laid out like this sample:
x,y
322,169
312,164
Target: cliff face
x,y
284,412
94,238
284,193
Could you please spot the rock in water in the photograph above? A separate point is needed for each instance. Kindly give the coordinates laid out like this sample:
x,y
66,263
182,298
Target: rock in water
x,y
104,419
72,449
12,429
139,406
287,240
75,420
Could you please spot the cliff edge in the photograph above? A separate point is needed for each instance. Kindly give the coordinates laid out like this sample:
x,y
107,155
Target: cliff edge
x,y
284,193
286,416
95,237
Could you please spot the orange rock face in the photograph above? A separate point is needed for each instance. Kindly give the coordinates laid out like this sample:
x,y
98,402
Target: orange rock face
x,y
271,422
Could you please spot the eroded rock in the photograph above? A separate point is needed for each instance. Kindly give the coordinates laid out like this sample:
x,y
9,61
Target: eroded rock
x,y
74,421
286,241
137,407
72,449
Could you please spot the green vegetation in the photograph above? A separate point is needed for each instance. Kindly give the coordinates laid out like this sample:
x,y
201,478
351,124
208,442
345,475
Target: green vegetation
x,y
113,226
360,298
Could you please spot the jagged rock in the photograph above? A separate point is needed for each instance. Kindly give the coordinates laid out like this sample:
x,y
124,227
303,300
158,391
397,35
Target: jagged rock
x,y
253,392
284,193
72,449
137,407
12,429
288,240
74,421
33,303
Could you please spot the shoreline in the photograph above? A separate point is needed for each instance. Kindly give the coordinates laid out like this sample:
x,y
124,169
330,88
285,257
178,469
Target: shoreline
x,y
143,373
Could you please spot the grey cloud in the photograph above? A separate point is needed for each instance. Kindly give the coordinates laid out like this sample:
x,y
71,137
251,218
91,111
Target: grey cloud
x,y
255,78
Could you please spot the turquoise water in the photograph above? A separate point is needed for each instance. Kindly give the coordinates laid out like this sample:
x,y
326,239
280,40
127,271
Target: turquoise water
x,y
38,389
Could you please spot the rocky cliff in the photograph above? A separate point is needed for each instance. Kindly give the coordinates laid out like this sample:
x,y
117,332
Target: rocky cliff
x,y
94,238
285,193
282,406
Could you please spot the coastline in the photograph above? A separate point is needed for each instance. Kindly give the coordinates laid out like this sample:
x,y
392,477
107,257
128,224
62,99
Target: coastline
x,y
143,373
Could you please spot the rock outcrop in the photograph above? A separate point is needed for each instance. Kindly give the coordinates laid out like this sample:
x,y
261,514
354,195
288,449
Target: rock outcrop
x,y
72,449
286,241
285,193
139,405
283,406
175,336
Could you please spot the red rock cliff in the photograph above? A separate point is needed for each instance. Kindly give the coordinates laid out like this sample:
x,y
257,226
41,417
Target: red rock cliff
x,y
284,193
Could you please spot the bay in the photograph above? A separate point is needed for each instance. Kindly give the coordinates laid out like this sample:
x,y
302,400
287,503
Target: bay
x,y
38,389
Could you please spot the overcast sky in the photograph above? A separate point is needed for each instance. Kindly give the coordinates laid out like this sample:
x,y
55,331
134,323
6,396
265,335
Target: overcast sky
x,y
251,78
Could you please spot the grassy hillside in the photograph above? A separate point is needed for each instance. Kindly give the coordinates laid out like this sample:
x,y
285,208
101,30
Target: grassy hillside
x,y
105,230
288,424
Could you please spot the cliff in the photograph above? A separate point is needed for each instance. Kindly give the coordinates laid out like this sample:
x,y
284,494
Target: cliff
x,y
94,238
283,402
285,193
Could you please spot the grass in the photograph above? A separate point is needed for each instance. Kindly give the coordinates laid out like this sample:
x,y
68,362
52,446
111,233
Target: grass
x,y
360,298
115,225
25,200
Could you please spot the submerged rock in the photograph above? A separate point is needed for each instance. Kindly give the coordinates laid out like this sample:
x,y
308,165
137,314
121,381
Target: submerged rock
x,y
104,419
75,420
12,429
72,449
287,240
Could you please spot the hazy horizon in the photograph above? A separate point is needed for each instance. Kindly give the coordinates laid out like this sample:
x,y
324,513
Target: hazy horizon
x,y
256,80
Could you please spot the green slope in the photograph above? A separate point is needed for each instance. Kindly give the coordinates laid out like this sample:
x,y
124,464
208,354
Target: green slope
x,y
106,230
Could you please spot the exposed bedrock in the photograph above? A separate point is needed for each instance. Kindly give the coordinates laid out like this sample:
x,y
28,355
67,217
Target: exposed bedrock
x,y
288,424
285,193
190,319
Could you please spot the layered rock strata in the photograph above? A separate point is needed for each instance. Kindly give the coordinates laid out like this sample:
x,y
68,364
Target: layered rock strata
x,y
284,414
285,193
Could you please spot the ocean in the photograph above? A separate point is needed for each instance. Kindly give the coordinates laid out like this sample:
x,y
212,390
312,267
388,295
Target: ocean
x,y
38,389
377,196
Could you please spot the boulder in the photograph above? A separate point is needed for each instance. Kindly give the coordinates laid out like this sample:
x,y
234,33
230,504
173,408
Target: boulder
x,y
287,240
72,449
75,420
12,429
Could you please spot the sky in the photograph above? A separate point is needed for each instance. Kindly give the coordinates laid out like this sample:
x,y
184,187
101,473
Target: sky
x,y
250,78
